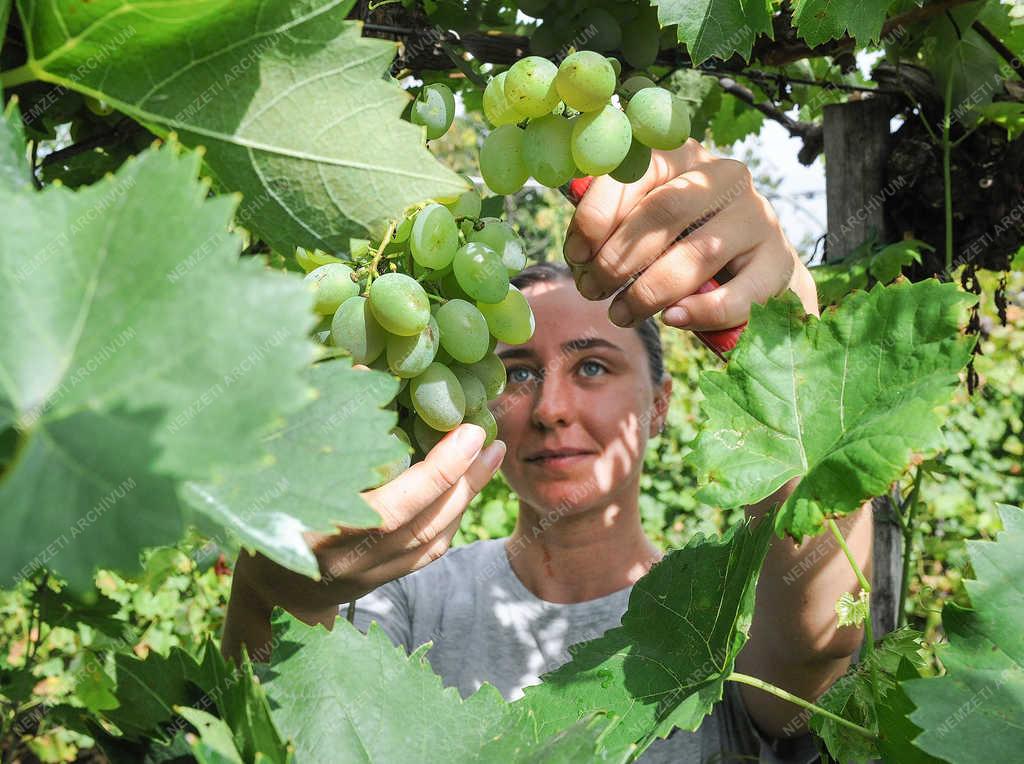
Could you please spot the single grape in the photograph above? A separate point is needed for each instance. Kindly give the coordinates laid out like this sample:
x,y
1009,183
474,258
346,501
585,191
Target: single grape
x,y
484,418
633,85
409,356
659,119
463,331
530,86
309,261
547,150
451,289
468,204
355,329
510,320
426,436
600,140
388,472
434,237
635,165
331,285
472,388
503,239
481,272
438,397
605,32
616,66
501,160
497,109
399,304
547,38
640,39
491,371
585,81
434,109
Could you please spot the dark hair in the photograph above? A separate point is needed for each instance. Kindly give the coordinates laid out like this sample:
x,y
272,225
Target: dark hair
x,y
540,273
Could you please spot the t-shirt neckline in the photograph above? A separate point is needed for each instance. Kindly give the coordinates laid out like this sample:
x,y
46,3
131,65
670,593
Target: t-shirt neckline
x,y
524,592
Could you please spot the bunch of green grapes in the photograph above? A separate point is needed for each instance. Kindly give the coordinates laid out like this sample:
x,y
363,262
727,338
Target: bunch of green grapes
x,y
428,304
560,122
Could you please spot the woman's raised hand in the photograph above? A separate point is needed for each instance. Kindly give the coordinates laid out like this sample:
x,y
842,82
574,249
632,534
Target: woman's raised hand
x,y
420,511
619,231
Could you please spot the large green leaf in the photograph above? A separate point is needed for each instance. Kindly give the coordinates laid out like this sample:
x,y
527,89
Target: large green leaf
x,y
861,694
975,712
137,350
955,51
318,460
374,703
819,21
290,101
834,282
665,666
841,402
15,174
716,28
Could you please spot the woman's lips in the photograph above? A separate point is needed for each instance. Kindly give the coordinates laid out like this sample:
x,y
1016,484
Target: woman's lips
x,y
559,458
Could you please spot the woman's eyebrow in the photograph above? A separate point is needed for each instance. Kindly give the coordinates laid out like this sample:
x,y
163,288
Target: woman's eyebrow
x,y
587,343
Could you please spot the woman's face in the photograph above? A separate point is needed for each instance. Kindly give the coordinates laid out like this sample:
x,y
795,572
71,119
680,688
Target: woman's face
x,y
579,405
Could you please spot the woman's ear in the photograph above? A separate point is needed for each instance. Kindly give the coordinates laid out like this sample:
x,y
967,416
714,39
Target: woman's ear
x,y
662,399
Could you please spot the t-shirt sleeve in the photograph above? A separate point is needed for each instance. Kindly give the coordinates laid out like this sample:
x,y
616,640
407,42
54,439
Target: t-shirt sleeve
x,y
739,733
390,607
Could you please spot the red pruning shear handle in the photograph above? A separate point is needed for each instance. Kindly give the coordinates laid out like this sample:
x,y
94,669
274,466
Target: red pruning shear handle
x,y
719,341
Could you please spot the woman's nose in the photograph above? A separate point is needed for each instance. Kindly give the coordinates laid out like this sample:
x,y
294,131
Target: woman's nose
x,y
553,401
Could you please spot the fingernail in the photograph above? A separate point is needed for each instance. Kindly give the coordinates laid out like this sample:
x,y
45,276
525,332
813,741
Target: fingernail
x,y
576,250
493,454
588,287
469,439
676,316
620,314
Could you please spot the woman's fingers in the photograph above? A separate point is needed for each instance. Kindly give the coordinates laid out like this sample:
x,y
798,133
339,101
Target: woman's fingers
x,y
729,304
426,524
428,539
685,266
401,499
660,217
607,202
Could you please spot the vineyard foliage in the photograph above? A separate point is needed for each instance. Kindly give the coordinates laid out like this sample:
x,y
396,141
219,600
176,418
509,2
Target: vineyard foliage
x,y
169,383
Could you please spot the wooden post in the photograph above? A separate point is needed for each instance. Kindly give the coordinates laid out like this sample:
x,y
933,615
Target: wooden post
x,y
856,150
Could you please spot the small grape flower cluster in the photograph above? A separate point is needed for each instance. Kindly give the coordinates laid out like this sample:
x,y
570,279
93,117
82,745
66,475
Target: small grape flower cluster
x,y
572,126
428,304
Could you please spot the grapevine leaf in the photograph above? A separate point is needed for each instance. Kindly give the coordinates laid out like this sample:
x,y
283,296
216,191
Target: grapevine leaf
x,y
734,121
895,730
15,174
853,698
716,28
973,712
1008,115
290,101
300,487
241,703
339,672
147,690
125,366
841,402
819,21
955,50
214,744
665,666
834,282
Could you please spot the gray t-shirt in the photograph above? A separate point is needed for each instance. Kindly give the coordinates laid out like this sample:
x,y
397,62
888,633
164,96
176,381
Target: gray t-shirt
x,y
486,626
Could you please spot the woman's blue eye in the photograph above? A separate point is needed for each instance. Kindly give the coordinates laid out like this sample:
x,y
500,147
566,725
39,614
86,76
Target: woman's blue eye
x,y
519,374
591,368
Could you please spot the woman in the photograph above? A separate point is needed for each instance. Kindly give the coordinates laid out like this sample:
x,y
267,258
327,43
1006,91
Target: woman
x,y
583,396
